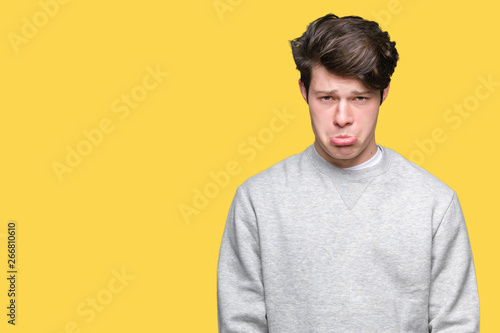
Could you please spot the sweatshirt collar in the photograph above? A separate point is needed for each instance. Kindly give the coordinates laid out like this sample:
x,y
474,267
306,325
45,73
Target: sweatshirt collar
x,y
330,170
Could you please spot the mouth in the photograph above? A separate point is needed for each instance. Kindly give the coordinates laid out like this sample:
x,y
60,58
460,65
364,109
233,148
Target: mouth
x,y
343,140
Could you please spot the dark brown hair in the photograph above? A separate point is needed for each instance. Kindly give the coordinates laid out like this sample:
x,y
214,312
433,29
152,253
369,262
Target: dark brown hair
x,y
347,46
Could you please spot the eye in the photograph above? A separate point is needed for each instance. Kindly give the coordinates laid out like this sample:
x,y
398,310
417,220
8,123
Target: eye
x,y
360,99
326,98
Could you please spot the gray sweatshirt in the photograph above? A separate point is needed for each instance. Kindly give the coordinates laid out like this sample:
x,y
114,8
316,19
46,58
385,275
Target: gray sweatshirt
x,y
309,247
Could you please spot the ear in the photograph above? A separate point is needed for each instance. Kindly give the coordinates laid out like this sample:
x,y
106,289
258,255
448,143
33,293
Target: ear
x,y
303,90
385,93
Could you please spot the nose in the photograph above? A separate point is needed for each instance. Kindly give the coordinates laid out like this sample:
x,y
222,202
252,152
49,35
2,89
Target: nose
x,y
343,114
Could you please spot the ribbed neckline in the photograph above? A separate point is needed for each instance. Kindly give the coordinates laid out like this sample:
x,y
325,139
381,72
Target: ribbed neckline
x,y
351,175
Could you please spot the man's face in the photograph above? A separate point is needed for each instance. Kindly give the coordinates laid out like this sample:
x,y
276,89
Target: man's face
x,y
343,116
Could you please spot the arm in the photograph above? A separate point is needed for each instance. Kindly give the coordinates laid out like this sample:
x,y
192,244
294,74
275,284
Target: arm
x,y
453,299
240,290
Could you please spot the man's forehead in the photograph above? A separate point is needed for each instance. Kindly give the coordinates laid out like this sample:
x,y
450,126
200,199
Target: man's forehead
x,y
353,91
327,81
332,86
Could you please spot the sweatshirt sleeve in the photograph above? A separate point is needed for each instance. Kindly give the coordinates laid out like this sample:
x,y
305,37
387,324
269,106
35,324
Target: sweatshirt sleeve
x,y
453,299
240,289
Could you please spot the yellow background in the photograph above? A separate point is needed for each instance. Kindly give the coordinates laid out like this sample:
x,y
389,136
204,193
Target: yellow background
x,y
119,209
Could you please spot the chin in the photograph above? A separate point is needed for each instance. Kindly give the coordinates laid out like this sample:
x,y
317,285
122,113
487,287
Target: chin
x,y
344,155
342,152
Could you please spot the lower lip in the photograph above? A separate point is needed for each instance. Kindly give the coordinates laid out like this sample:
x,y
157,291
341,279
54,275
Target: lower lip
x,y
344,140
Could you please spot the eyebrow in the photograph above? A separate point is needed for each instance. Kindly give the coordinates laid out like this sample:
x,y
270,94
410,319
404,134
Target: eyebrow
x,y
354,92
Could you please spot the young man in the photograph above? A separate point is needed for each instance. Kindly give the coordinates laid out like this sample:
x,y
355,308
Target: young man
x,y
347,236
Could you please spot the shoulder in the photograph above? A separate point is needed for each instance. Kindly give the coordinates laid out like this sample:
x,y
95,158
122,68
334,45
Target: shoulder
x,y
416,177
278,174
